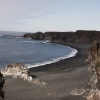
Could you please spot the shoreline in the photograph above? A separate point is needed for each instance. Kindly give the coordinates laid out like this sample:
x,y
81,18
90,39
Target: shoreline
x,y
61,78
72,54
73,46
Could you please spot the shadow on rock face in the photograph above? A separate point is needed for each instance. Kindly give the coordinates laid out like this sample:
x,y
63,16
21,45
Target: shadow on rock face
x,y
2,81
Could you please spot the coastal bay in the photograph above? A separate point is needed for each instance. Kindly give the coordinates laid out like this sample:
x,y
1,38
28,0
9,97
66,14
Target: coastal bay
x,y
49,50
61,78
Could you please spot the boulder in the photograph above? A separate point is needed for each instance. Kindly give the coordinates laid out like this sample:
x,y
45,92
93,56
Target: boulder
x,y
16,70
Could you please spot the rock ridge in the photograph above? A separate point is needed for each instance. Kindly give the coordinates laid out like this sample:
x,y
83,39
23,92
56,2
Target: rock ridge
x,y
80,36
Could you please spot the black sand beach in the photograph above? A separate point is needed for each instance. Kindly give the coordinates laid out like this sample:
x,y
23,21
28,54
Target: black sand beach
x,y
61,78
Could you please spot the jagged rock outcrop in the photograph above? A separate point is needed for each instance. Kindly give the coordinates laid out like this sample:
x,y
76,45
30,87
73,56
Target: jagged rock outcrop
x,y
2,81
79,36
27,35
18,70
91,91
38,36
94,70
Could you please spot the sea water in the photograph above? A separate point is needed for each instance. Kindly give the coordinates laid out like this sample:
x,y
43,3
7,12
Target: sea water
x,y
31,53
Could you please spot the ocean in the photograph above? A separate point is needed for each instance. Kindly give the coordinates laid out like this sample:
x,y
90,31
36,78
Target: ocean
x,y
31,53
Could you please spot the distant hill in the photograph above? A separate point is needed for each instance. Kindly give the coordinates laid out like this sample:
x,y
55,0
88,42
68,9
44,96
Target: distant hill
x,y
13,33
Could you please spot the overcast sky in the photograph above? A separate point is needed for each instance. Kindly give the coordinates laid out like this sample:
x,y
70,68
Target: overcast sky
x,y
49,15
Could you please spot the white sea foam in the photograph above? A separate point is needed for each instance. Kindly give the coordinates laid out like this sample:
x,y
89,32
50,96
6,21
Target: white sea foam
x,y
47,41
72,54
28,41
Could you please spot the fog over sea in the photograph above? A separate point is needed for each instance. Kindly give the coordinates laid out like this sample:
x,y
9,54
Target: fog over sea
x,y
31,53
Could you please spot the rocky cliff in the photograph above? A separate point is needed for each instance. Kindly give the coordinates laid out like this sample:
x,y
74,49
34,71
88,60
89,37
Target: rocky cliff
x,y
94,70
65,37
91,90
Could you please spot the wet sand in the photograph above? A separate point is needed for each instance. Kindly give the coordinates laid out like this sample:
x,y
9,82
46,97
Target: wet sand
x,y
61,78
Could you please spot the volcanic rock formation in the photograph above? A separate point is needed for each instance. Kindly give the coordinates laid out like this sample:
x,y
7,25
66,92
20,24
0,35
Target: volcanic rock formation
x,y
18,70
94,69
2,81
91,91
80,36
